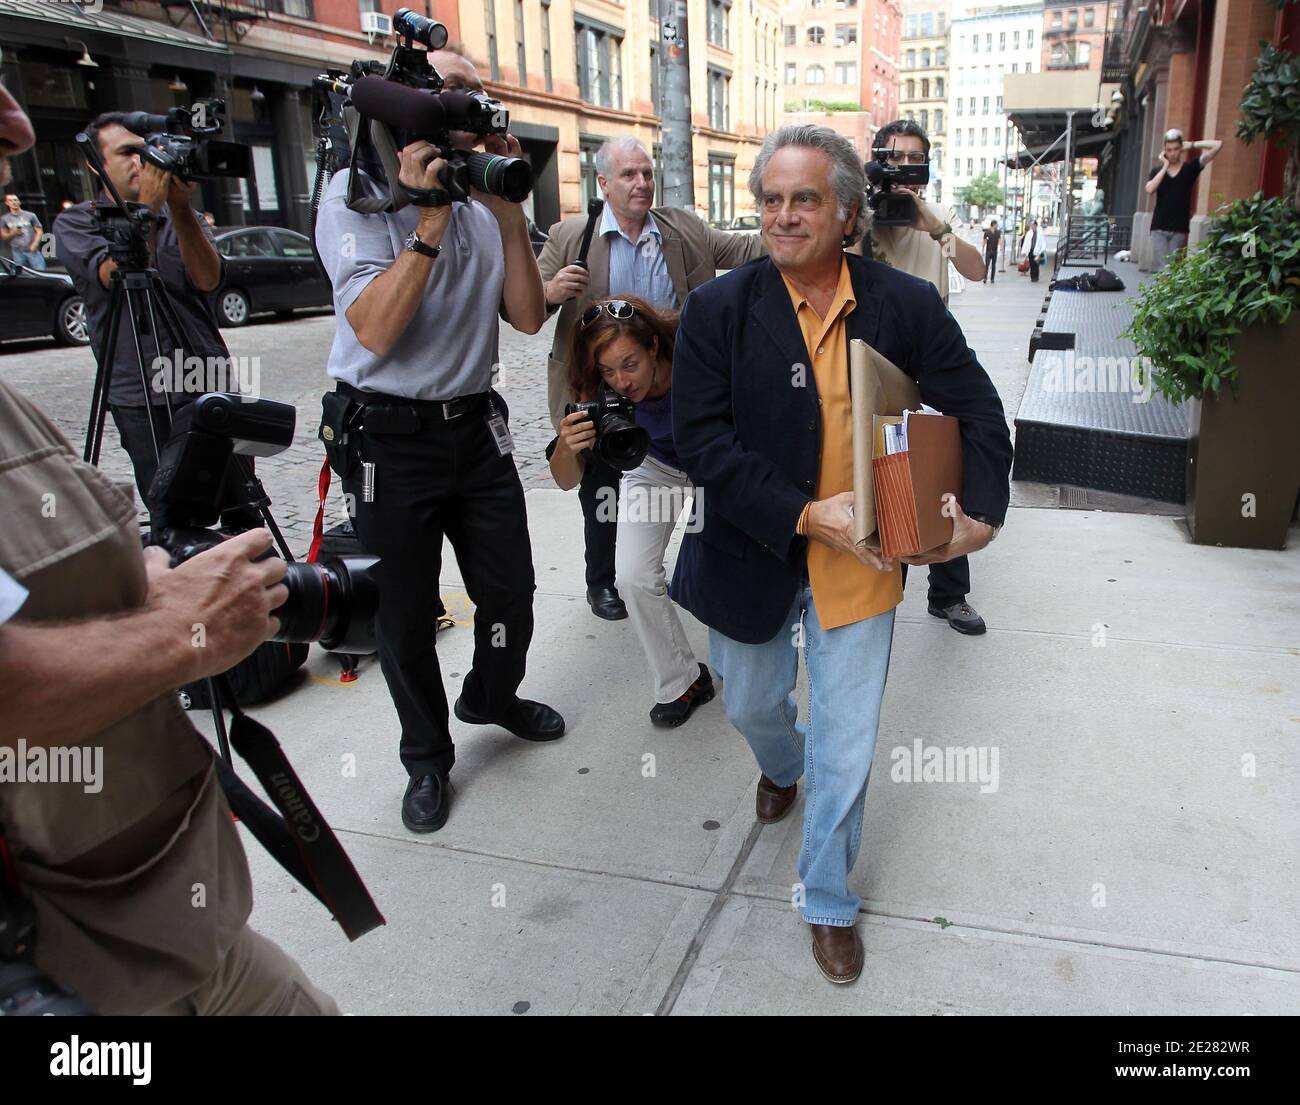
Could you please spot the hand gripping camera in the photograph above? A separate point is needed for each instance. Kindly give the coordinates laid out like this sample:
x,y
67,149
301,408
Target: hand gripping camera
x,y
179,142
620,442
891,204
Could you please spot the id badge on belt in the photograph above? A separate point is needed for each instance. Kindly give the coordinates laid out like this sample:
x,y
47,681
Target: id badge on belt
x,y
500,432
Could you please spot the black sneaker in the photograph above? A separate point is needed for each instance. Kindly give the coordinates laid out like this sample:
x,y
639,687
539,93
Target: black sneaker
x,y
961,616
669,715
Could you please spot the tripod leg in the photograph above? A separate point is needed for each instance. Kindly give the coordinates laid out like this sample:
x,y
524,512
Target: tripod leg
x,y
105,357
139,357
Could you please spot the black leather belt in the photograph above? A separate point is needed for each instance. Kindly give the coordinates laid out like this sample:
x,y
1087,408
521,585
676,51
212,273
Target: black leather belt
x,y
448,410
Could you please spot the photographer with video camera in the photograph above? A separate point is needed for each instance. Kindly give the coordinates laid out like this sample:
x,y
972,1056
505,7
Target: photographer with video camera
x,y
922,247
182,249
621,373
133,873
418,295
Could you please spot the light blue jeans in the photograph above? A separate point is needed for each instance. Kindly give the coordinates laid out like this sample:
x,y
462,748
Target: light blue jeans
x,y
31,258
832,748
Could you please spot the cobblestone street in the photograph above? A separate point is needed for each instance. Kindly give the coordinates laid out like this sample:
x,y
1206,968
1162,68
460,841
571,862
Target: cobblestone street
x,y
291,368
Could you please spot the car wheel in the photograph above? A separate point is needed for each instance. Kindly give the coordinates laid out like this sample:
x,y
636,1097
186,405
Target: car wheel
x,y
232,307
71,324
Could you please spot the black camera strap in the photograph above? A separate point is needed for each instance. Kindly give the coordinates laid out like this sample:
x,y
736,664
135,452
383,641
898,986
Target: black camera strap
x,y
297,836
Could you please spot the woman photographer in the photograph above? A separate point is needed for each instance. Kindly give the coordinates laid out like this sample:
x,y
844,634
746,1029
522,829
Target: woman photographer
x,y
626,346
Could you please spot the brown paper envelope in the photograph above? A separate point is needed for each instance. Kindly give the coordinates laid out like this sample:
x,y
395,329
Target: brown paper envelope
x,y
934,455
893,502
878,387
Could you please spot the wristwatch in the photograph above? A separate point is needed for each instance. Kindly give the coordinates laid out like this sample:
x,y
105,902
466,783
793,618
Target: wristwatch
x,y
988,522
414,245
938,235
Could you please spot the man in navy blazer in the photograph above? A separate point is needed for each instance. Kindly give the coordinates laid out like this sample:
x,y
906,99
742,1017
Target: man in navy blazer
x,y
762,423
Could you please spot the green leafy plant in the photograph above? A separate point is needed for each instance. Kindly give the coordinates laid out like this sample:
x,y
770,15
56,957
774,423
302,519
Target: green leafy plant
x,y
1245,273
984,191
1270,108
828,106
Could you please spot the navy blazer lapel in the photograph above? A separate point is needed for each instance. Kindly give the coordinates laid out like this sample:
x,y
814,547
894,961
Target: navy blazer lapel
x,y
773,311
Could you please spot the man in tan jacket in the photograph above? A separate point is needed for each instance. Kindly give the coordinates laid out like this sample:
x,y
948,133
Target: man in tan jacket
x,y
658,253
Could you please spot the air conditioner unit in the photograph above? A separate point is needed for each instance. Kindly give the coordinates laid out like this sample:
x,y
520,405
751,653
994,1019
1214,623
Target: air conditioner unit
x,y
376,23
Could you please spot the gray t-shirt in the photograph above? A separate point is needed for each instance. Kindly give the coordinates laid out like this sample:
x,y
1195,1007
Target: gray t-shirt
x,y
450,345
24,221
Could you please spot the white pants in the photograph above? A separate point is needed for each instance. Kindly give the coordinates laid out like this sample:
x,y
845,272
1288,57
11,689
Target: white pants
x,y
651,500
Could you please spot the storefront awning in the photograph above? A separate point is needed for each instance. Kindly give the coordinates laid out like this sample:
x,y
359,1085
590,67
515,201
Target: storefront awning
x,y
73,22
1039,105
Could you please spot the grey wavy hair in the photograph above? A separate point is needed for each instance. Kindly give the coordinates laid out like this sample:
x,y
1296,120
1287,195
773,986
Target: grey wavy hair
x,y
625,143
848,181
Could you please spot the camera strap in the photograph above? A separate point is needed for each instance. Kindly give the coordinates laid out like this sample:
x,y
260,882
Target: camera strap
x,y
297,836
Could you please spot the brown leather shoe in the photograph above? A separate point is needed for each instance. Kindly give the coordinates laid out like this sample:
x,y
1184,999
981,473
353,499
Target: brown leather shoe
x,y
838,951
771,802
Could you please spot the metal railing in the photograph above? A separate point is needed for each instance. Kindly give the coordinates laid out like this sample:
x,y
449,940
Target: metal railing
x,y
1091,239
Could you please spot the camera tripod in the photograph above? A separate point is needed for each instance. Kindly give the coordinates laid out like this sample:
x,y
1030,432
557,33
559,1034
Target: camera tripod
x,y
138,288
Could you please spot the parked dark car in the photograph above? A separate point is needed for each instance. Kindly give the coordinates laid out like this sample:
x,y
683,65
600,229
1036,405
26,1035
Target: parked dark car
x,y
40,305
268,268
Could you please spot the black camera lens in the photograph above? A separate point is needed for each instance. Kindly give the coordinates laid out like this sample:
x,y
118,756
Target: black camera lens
x,y
333,602
622,444
509,177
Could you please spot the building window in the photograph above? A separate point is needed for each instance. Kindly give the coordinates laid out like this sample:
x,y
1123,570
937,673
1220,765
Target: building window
x,y
988,43
999,108
911,59
1015,40
970,106
600,72
970,166
722,190
958,136
491,16
911,90
719,97
546,44
925,119
816,35
975,44
791,34
986,105
1015,67
927,24
925,58
791,73
846,72
1074,20
909,26
719,20
984,136
814,74
941,56
587,148
1002,40
846,34
938,120
925,88
970,136
1089,17
938,86
1029,67
1029,41
520,60
943,22
997,136
984,165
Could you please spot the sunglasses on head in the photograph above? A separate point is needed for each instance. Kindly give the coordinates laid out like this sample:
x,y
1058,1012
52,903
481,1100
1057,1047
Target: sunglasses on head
x,y
615,308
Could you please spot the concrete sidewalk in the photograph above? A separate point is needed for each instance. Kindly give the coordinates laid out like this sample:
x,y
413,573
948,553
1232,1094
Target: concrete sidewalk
x,y
1138,854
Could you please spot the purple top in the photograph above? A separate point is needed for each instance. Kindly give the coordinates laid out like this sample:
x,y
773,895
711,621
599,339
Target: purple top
x,y
656,415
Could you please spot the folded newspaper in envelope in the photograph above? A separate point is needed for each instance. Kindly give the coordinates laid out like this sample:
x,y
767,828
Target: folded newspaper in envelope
x,y
879,389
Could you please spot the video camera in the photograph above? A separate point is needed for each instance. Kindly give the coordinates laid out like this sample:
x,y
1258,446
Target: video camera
x,y
620,442
178,142
382,109
333,601
890,207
